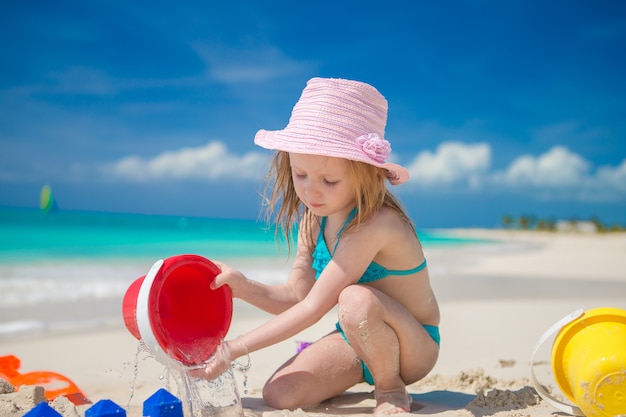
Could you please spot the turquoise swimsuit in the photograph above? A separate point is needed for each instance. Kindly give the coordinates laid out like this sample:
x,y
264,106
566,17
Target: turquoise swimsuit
x,y
374,272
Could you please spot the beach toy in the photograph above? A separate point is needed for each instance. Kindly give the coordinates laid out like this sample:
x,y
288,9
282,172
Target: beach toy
x,y
163,404
300,346
589,362
176,313
42,410
54,384
105,408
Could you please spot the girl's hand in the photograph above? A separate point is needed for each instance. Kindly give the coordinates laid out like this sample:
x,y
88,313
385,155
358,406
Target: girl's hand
x,y
216,366
234,278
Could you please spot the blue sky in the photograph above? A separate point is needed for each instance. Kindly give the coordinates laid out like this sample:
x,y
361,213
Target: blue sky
x,y
496,107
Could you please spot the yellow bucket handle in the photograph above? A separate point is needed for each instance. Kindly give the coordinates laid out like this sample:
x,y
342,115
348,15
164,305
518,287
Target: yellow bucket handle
x,y
565,407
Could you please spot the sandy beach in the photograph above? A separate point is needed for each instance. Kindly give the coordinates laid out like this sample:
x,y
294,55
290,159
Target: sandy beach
x,y
496,300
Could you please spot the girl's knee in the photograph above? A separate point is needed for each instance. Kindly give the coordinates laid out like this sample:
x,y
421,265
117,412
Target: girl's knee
x,y
356,304
282,393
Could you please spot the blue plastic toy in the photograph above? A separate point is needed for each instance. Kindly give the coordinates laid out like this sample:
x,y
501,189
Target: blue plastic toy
x,y
105,408
42,410
162,404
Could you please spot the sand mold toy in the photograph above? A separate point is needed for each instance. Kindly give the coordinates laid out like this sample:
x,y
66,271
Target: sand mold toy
x,y
54,384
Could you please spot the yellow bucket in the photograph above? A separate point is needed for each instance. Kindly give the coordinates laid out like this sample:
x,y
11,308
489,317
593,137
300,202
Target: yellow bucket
x,y
589,362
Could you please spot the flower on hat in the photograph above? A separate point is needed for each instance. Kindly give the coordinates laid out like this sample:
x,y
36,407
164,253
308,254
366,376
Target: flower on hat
x,y
373,146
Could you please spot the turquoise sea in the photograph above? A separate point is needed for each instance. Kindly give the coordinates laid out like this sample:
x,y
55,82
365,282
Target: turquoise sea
x,y
71,268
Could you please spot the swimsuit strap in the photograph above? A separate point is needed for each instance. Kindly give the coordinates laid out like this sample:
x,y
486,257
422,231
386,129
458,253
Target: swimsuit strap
x,y
407,271
341,229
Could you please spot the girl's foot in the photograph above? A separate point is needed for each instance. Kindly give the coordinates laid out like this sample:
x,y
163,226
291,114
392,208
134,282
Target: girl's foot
x,y
392,402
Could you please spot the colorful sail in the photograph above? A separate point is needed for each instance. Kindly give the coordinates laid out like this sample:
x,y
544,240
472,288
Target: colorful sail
x,y
47,203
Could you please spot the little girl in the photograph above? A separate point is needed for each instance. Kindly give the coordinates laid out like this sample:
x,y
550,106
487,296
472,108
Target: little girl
x,y
356,249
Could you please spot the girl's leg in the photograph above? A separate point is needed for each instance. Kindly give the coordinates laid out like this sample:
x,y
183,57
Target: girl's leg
x,y
386,336
323,370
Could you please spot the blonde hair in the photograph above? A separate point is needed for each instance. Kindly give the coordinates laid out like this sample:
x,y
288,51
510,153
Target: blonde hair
x,y
284,208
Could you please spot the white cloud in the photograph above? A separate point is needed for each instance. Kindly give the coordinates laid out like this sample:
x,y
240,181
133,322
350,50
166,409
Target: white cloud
x,y
613,177
562,174
558,173
210,162
452,162
559,167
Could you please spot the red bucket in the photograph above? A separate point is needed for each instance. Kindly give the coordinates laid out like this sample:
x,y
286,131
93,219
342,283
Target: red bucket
x,y
176,313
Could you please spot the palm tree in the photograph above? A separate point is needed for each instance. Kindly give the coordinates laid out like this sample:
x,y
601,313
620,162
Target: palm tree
x,y
524,222
507,221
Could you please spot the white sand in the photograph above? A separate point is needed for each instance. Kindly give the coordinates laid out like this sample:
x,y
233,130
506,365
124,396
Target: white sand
x,y
496,302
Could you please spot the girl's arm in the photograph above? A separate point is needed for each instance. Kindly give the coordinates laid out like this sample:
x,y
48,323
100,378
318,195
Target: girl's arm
x,y
321,298
282,326
273,299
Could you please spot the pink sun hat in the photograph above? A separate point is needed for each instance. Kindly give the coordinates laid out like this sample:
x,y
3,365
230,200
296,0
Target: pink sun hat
x,y
338,118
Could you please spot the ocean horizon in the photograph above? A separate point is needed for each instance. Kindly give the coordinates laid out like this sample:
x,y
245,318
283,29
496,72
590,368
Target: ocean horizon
x,y
70,269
